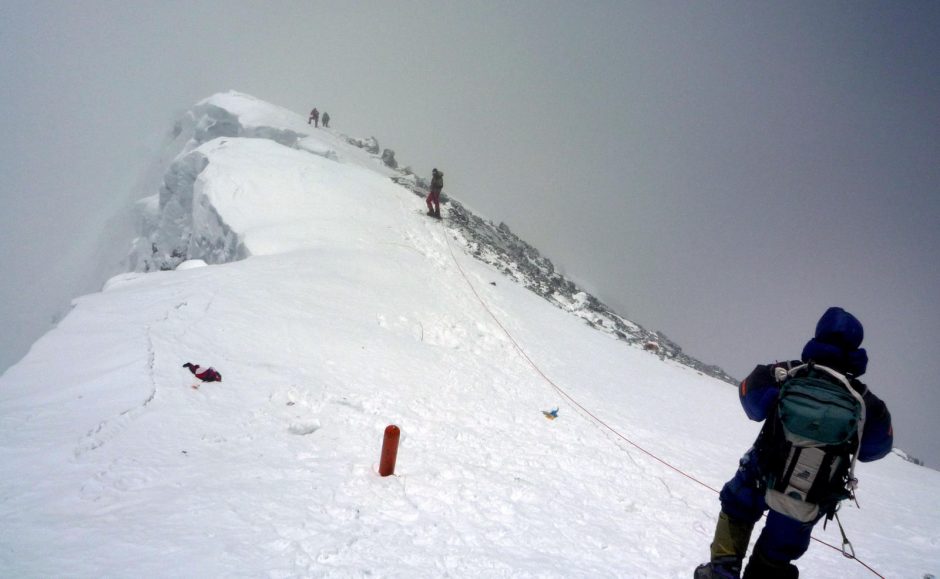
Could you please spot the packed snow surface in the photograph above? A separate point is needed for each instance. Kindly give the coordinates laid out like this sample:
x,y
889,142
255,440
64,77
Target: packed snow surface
x,y
346,311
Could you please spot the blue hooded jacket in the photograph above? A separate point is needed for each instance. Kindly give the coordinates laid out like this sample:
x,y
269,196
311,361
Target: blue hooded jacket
x,y
836,344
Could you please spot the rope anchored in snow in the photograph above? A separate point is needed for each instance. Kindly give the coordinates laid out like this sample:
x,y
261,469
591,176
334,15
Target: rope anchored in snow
x,y
597,420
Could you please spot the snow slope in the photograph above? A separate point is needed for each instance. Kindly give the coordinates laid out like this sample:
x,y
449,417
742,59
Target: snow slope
x,y
346,310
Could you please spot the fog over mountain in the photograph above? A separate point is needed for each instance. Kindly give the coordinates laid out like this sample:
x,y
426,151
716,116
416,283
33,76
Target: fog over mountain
x,y
719,174
542,434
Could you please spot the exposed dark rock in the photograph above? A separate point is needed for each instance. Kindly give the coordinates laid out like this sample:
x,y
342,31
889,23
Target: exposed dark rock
x,y
371,144
388,157
499,247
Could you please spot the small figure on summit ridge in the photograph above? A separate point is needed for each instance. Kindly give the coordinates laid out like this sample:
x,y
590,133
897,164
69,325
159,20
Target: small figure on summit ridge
x,y
434,195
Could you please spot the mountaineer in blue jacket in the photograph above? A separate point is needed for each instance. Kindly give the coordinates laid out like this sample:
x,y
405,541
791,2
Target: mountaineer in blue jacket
x,y
802,482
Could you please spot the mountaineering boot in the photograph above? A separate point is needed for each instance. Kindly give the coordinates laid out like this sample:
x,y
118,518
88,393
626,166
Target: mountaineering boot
x,y
437,214
760,567
430,213
722,568
727,549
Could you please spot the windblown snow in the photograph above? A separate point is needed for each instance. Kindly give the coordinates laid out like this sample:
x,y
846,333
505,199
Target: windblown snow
x,y
289,260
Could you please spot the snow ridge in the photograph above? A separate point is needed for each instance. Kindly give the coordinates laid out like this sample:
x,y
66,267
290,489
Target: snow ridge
x,y
184,225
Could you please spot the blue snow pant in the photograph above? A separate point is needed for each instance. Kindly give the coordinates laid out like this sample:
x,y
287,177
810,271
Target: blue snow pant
x,y
742,498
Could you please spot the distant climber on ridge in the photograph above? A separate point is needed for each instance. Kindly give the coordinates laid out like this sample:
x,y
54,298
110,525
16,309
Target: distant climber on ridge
x,y
314,117
818,419
434,196
326,120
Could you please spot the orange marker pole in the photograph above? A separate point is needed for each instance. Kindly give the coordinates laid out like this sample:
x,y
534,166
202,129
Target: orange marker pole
x,y
389,450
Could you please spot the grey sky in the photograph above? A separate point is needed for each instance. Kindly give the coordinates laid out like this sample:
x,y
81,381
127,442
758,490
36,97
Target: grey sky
x,y
720,171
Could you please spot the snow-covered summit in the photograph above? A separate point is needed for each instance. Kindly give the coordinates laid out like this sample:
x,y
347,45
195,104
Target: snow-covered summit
x,y
295,263
201,216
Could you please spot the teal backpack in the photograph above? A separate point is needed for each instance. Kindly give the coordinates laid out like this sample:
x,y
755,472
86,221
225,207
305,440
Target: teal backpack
x,y
821,417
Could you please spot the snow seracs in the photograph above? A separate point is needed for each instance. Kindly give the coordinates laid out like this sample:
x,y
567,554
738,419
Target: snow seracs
x,y
179,223
235,114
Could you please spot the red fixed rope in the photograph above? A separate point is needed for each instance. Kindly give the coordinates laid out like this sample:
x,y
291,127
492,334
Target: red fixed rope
x,y
577,404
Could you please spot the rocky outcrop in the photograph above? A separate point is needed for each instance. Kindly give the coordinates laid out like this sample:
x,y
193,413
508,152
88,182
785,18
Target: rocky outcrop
x,y
371,144
501,248
388,157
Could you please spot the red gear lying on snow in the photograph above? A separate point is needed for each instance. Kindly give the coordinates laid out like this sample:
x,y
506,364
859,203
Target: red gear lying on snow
x,y
204,374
